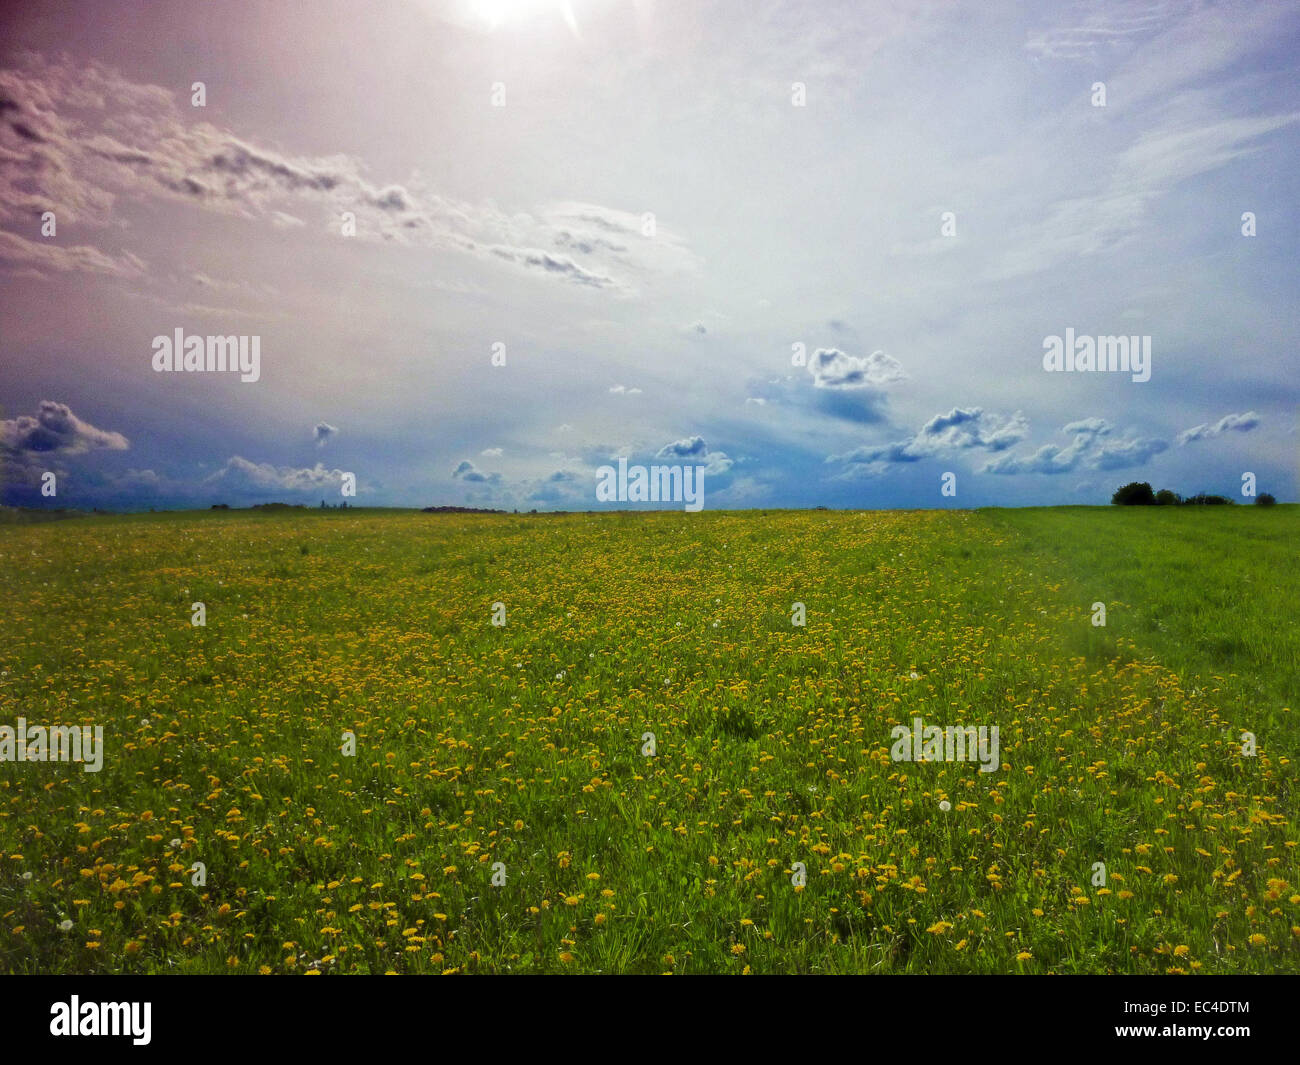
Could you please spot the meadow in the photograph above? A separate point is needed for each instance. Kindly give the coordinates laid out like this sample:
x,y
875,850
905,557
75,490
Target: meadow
x,y
505,811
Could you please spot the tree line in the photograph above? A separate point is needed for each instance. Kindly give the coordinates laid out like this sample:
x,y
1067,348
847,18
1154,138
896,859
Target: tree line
x,y
1140,494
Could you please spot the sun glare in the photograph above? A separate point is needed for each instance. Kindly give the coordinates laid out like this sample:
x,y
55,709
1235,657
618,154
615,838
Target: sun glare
x,y
504,12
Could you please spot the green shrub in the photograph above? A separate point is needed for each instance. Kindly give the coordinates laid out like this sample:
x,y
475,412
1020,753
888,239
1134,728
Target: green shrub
x,y
1135,494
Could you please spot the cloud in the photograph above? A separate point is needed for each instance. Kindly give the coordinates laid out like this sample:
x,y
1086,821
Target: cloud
x,y
491,453
844,386
961,429
689,447
558,265
1241,423
467,471
239,474
324,431
863,404
1115,210
695,449
1097,31
1092,447
562,486
620,390
966,428
81,136
832,368
137,480
63,258
54,430
636,241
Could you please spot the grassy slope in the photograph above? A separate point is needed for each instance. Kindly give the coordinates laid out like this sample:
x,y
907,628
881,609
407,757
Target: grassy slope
x,y
523,745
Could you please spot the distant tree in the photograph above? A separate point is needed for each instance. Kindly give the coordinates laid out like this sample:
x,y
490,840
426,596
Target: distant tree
x,y
1204,499
1265,499
1167,498
1134,494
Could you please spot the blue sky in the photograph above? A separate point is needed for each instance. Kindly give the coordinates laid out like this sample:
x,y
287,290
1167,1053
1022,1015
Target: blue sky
x,y
827,295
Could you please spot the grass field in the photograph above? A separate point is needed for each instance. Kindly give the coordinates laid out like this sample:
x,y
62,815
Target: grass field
x,y
522,744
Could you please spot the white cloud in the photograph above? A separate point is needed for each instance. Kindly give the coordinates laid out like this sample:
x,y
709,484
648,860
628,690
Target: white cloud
x,y
81,136
239,474
1241,423
1092,447
961,429
832,368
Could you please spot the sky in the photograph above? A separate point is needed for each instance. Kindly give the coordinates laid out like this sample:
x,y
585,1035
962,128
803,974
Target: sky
x,y
485,247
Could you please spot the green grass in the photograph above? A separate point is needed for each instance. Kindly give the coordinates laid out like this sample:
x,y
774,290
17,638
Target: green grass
x,y
1210,591
522,744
